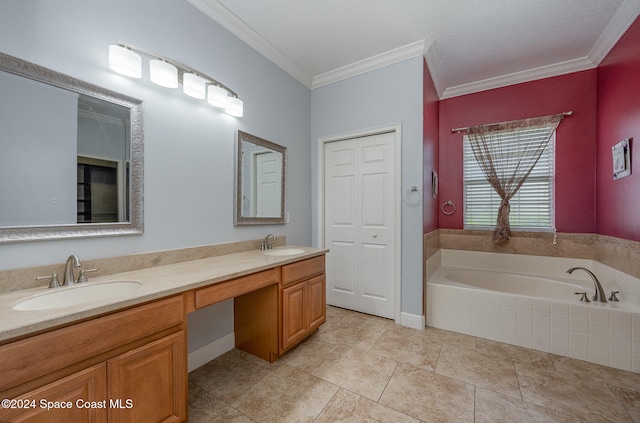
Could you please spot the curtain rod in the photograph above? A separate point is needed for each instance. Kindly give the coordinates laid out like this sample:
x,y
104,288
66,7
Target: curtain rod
x,y
459,130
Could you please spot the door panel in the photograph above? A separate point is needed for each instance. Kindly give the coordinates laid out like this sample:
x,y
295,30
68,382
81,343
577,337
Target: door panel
x,y
359,223
268,189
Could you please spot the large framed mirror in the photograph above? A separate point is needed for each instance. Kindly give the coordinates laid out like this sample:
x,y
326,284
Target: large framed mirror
x,y
71,162
260,182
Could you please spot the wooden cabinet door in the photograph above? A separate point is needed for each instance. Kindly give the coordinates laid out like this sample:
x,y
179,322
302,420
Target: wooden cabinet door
x,y
295,322
84,393
317,302
150,382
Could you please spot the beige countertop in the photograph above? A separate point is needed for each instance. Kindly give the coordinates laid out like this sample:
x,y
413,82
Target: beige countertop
x,y
156,282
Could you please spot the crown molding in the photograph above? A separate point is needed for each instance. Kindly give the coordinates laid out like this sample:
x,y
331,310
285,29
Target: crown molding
x,y
229,21
396,55
433,63
619,24
622,20
557,69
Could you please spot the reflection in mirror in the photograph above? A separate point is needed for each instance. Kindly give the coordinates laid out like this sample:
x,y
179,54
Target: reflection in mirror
x,y
71,162
260,182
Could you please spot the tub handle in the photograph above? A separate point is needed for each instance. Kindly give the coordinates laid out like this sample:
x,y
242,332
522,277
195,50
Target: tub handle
x,y
613,296
583,297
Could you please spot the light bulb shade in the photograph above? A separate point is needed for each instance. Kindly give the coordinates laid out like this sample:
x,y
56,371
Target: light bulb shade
x,y
235,107
163,73
125,61
217,96
194,86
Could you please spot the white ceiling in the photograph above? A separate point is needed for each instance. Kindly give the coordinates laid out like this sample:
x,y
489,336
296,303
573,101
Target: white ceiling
x,y
469,45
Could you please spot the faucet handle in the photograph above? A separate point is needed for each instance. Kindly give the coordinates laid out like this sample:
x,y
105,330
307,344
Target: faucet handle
x,y
82,278
613,296
583,297
54,281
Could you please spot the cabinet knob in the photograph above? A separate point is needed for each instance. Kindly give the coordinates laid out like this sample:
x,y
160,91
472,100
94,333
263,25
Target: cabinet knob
x,y
375,235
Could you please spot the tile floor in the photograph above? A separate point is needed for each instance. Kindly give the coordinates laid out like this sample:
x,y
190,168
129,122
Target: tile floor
x,y
360,368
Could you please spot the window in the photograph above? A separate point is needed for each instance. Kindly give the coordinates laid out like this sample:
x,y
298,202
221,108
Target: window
x,y
532,207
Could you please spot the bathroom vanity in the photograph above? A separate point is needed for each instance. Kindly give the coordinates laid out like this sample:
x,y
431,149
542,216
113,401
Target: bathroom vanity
x,y
125,358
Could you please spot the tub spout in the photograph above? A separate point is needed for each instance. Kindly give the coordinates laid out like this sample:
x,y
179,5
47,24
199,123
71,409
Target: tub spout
x,y
599,293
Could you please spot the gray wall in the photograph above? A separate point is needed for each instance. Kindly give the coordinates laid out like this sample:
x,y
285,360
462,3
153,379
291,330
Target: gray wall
x,y
382,97
189,146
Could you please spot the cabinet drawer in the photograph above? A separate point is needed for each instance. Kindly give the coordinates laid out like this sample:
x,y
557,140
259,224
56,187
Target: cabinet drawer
x,y
235,287
42,354
302,270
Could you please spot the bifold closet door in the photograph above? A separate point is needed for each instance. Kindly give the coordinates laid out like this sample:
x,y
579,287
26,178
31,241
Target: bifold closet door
x,y
359,223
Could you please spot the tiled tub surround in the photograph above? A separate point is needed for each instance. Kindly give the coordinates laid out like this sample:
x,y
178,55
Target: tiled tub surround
x,y
607,334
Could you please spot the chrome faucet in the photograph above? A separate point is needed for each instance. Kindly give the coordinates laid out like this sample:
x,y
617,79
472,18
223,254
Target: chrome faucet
x,y
68,278
599,293
266,245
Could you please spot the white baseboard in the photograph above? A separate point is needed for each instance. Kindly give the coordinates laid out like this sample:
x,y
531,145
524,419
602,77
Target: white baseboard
x,y
412,321
205,354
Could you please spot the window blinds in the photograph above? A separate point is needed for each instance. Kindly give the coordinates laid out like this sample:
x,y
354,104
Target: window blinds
x,y
532,207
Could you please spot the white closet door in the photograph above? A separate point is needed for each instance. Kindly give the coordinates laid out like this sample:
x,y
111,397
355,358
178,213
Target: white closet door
x,y
268,198
360,223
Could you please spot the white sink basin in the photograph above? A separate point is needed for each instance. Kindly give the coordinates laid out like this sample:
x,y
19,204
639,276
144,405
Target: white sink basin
x,y
78,294
283,252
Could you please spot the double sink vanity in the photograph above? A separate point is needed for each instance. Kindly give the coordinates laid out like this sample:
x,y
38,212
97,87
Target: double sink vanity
x,y
115,348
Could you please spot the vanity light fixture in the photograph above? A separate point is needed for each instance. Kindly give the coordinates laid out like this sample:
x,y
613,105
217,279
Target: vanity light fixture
x,y
125,59
234,107
163,73
217,96
194,86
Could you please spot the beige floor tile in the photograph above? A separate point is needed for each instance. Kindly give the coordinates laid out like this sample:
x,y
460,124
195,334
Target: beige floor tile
x,y
367,320
428,396
204,407
581,396
336,313
347,407
406,345
630,400
493,373
447,337
364,373
442,377
231,374
514,353
310,354
286,395
352,332
604,374
492,407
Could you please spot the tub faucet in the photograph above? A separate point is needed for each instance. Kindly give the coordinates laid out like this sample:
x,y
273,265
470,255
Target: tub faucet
x,y
266,245
72,261
599,294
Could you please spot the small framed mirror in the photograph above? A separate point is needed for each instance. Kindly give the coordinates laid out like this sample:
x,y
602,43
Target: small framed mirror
x,y
260,181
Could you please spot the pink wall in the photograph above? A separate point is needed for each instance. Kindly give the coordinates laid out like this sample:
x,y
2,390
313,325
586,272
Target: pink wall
x,y
430,150
618,202
575,141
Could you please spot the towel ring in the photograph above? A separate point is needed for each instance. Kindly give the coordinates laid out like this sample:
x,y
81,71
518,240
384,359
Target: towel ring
x,y
408,193
451,208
